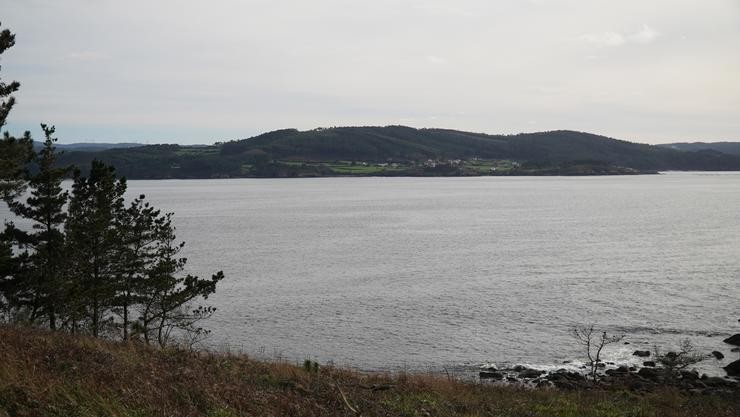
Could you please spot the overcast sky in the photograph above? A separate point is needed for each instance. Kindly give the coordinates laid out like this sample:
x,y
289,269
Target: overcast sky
x,y
199,71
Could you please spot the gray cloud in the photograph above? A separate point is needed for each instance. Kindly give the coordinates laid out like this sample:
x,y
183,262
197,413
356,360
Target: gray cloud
x,y
200,71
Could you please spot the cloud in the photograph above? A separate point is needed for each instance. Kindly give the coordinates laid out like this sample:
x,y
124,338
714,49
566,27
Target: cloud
x,y
612,39
87,56
644,35
436,60
604,39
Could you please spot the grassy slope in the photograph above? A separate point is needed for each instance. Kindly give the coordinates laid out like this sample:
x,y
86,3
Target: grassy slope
x,y
43,374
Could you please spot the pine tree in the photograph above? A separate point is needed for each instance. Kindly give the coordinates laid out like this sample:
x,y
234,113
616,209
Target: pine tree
x,y
14,153
137,228
92,242
36,286
167,296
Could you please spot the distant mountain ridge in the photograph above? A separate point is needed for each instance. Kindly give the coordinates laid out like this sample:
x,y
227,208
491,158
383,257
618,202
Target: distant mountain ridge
x,y
272,153
732,148
89,146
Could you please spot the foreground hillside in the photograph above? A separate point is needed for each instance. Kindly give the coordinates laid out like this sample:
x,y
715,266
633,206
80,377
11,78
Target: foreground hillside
x,y
44,374
402,151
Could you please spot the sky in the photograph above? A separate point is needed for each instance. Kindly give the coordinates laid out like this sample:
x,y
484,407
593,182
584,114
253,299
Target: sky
x,y
178,71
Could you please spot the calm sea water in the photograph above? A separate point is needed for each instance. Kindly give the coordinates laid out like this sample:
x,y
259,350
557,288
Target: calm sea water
x,y
433,273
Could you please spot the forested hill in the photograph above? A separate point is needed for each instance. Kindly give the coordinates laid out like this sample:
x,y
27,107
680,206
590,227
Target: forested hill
x,y
324,151
732,148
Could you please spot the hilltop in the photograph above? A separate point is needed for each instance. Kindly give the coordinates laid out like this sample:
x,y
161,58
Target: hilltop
x,y
403,151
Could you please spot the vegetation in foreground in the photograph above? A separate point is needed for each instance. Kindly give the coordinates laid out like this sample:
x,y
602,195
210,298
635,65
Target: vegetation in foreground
x,y
54,374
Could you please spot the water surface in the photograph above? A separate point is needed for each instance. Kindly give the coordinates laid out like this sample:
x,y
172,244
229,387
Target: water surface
x,y
389,273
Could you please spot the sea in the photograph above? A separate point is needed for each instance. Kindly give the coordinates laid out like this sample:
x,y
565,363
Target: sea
x,y
451,274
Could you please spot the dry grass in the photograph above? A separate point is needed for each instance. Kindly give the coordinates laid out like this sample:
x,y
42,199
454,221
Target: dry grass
x,y
45,374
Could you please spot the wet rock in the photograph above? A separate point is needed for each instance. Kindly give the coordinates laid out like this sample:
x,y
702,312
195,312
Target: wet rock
x,y
649,364
544,384
718,355
733,369
715,381
649,374
641,353
491,375
733,340
530,373
690,375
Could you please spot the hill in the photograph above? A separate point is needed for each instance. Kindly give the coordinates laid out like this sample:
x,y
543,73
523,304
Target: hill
x,y
89,147
53,374
399,150
732,148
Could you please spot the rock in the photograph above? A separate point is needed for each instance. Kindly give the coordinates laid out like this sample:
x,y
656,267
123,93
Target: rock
x,y
649,364
544,384
530,373
601,365
689,375
737,349
649,373
733,369
733,340
641,353
489,368
490,375
626,343
717,354
715,381
519,368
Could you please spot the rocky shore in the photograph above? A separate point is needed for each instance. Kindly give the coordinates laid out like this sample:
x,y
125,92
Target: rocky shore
x,y
650,376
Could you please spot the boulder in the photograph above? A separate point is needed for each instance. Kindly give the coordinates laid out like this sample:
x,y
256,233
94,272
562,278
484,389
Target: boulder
x,y
649,373
530,373
715,381
649,364
690,375
641,353
733,369
490,375
718,355
622,370
733,340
